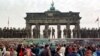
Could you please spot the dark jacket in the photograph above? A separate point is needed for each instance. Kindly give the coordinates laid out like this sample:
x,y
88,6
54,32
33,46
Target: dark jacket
x,y
19,49
45,52
56,54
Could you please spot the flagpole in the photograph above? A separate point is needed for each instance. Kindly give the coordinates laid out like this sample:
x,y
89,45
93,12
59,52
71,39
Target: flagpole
x,y
98,23
8,22
98,27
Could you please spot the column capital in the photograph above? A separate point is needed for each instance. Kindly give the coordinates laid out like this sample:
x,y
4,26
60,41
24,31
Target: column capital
x,y
59,31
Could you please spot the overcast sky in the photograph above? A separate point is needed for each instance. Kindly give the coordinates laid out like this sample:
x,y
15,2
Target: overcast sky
x,y
16,10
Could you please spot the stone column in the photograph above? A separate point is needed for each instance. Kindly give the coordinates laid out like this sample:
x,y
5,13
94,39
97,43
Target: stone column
x,y
37,31
46,26
49,32
46,31
34,32
74,33
77,28
59,31
28,28
64,33
68,30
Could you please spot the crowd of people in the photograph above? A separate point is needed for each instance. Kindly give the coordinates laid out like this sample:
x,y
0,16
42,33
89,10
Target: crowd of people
x,y
24,33
14,33
89,33
72,49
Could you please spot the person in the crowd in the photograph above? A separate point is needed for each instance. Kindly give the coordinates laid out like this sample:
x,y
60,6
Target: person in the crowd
x,y
75,51
88,51
68,50
97,52
15,53
36,49
93,47
41,50
46,51
12,51
62,50
57,52
7,53
20,50
0,52
28,51
4,50
81,50
52,48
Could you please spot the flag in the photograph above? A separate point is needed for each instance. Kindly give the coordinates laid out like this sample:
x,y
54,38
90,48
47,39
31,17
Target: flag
x,y
97,19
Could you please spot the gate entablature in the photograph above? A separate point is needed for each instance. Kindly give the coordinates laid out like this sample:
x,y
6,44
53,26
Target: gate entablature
x,y
53,17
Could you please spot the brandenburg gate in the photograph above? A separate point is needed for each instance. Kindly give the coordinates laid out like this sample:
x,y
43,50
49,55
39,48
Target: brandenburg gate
x,y
53,17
